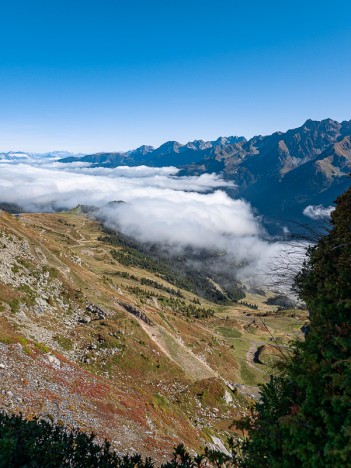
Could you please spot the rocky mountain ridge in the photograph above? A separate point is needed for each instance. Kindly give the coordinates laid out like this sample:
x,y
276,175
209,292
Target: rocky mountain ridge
x,y
279,174
171,153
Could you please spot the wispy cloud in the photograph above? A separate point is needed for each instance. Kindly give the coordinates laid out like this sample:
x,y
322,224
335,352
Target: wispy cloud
x,y
318,211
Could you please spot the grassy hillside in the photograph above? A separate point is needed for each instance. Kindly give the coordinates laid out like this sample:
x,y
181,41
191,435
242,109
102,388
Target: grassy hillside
x,y
90,340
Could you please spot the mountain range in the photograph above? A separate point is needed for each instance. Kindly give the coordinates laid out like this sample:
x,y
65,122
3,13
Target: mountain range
x,y
171,153
279,174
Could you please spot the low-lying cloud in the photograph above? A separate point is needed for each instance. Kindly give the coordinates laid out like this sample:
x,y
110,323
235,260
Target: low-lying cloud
x,y
177,212
211,220
47,187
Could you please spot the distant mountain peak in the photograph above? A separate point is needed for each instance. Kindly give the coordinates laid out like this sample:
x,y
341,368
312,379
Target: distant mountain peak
x,y
169,147
142,150
231,140
327,124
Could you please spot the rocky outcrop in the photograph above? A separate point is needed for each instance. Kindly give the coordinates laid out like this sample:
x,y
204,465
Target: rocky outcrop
x,y
136,312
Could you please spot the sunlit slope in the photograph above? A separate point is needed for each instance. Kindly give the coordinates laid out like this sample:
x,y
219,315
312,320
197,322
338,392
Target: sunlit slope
x,y
117,349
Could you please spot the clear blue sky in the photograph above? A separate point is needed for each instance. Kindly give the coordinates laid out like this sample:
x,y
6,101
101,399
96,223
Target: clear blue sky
x,y
111,75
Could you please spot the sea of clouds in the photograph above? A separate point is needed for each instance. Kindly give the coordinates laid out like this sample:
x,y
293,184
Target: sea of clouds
x,y
160,207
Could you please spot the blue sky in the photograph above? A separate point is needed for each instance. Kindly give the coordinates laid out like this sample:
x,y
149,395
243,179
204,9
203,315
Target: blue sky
x,y
112,75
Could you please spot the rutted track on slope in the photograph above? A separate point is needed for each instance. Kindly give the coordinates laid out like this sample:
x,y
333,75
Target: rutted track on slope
x,y
175,350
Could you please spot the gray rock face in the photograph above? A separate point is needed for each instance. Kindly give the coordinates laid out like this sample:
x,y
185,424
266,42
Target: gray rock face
x,y
136,312
96,311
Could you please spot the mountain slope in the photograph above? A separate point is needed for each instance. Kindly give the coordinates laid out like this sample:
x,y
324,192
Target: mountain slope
x,y
313,172
90,342
282,173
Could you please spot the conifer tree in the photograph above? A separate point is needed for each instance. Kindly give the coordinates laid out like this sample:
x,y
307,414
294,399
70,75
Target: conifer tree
x,y
304,416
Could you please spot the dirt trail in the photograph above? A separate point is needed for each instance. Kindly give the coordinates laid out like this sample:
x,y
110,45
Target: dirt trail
x,y
82,238
193,366
175,350
78,242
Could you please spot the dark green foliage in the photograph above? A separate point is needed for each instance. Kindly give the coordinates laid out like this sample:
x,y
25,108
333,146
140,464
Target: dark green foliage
x,y
174,304
184,278
188,271
304,417
190,310
133,258
249,305
154,284
40,444
283,302
125,274
183,459
149,282
11,208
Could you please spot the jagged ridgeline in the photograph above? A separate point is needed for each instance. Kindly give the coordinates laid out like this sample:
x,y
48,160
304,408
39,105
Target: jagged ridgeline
x,y
194,270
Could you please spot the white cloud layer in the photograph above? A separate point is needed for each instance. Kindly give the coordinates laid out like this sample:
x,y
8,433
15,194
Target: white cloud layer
x,y
50,186
160,207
